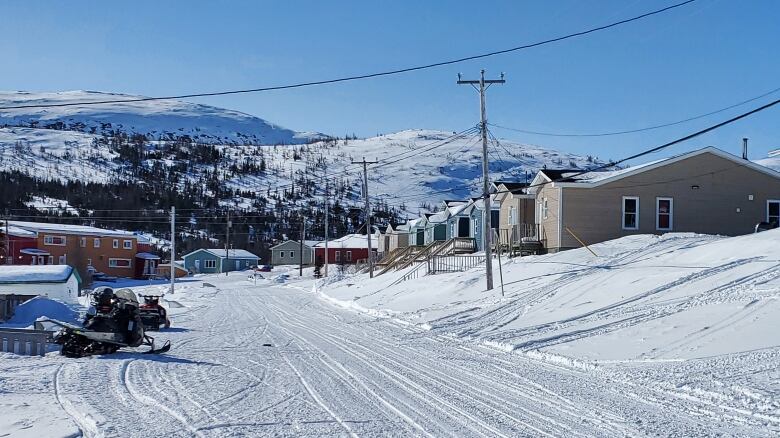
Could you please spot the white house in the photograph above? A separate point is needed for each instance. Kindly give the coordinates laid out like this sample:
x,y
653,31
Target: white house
x,y
60,282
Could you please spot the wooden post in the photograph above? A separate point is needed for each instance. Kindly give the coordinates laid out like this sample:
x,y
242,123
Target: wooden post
x,y
579,240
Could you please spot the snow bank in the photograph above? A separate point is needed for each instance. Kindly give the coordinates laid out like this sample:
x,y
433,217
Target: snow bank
x,y
41,307
644,298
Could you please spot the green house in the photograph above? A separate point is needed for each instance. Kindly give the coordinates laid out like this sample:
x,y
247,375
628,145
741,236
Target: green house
x,y
212,261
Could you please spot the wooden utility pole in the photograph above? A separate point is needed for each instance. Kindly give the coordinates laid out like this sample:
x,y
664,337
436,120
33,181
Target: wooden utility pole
x,y
487,204
368,213
228,224
300,255
8,256
327,213
173,248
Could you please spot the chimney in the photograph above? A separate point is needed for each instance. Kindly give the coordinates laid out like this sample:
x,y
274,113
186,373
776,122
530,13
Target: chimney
x,y
744,148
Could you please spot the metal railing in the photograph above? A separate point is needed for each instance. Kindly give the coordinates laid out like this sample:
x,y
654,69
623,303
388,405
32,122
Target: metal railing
x,y
24,341
453,263
515,234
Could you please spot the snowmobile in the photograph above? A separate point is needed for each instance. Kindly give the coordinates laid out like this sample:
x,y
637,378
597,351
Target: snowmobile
x,y
112,322
153,315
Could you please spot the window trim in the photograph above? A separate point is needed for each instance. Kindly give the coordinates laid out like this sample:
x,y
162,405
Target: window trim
x,y
772,201
338,255
292,254
545,209
83,242
658,200
115,244
125,244
96,242
208,262
115,266
623,215
349,256
281,254
48,240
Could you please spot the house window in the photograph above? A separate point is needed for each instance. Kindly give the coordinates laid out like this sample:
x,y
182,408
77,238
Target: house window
x,y
664,214
116,243
292,254
630,212
512,215
61,260
118,263
545,209
773,211
96,242
54,240
51,260
281,254
210,264
89,262
349,256
338,256
127,244
83,242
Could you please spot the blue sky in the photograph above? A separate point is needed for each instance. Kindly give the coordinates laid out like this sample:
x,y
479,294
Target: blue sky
x,y
698,58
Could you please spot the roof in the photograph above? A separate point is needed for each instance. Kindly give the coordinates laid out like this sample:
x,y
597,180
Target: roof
x,y
147,256
439,217
232,254
513,187
34,251
18,232
417,222
597,178
68,229
309,243
348,241
31,274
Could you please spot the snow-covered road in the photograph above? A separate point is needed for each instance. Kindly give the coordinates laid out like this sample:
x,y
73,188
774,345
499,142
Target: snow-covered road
x,y
271,360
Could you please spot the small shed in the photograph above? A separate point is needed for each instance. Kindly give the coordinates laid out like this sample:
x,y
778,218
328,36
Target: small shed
x,y
164,269
60,282
289,253
212,261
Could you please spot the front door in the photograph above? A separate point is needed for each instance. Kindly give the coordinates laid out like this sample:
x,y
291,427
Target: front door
x,y
463,227
238,265
197,266
420,237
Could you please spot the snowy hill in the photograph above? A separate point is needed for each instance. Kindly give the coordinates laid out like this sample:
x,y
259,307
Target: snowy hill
x,y
415,166
156,119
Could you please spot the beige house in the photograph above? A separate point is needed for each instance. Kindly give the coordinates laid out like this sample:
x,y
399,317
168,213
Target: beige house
x,y
705,191
517,219
396,237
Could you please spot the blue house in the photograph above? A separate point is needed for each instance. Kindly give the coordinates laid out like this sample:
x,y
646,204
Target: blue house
x,y
475,213
458,219
212,261
437,227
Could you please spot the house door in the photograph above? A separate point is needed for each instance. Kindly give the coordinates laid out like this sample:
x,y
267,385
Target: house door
x,y
420,237
238,265
197,266
463,227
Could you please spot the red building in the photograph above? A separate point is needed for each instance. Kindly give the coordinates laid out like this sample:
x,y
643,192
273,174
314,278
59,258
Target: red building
x,y
346,250
22,247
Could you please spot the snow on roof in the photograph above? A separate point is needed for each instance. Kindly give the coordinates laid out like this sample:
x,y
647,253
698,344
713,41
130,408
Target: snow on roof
x,y
601,175
147,256
17,232
457,209
309,243
68,229
416,222
33,251
439,217
12,274
232,254
348,241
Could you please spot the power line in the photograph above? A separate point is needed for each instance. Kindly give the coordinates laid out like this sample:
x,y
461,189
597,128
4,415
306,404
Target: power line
x,y
630,131
370,75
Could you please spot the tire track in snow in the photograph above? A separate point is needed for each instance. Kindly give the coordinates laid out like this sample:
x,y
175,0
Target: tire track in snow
x,y
150,401
86,424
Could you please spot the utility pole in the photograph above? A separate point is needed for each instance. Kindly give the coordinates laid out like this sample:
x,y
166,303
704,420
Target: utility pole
x,y
300,253
173,248
368,214
327,213
227,243
487,204
8,256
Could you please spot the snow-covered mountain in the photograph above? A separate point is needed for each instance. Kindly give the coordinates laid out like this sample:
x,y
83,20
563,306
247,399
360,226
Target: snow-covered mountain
x,y
155,119
415,166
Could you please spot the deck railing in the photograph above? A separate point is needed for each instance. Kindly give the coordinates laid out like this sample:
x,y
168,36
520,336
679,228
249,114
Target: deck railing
x,y
453,263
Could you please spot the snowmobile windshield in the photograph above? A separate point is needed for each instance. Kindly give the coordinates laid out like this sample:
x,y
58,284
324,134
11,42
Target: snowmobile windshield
x,y
126,294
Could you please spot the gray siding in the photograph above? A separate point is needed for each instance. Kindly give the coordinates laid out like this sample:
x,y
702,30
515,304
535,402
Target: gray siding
x,y
287,249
